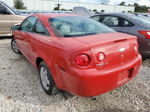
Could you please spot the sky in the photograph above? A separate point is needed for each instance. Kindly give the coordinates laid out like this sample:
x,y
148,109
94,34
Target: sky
x,y
113,2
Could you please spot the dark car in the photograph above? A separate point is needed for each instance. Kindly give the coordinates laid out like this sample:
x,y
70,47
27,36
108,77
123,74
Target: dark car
x,y
130,24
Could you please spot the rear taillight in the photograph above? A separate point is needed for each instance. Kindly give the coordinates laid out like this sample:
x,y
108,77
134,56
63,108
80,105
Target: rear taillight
x,y
82,60
145,33
136,49
100,56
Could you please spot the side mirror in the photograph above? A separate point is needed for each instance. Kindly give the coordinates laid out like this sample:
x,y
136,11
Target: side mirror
x,y
16,27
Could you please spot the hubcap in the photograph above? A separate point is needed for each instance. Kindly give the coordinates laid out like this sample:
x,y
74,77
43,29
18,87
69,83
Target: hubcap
x,y
44,78
14,46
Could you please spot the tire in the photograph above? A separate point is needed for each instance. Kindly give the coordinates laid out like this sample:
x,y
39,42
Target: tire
x,y
14,46
46,78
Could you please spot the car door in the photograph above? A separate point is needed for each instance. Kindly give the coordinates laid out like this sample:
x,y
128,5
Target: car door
x,y
22,38
113,22
5,20
118,23
39,33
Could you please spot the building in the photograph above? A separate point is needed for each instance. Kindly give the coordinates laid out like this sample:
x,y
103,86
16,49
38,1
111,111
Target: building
x,y
49,5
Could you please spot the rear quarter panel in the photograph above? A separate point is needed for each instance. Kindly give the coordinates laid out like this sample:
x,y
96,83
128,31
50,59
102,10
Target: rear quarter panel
x,y
56,53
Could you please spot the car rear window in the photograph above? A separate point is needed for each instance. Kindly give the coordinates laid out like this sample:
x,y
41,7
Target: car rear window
x,y
76,26
143,20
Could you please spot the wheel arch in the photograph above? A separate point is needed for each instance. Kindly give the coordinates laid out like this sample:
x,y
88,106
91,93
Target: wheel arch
x,y
38,61
51,68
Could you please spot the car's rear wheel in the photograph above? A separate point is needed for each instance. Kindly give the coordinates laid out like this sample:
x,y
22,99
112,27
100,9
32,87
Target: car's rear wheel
x,y
14,46
46,78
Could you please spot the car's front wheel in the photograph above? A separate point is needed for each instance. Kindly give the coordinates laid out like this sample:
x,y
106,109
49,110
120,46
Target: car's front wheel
x,y
46,78
14,46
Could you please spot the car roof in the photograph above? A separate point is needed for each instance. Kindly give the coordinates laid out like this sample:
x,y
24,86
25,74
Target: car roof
x,y
116,14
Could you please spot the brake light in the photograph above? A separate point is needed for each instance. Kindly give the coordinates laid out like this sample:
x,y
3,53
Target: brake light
x,y
145,33
136,49
82,60
100,56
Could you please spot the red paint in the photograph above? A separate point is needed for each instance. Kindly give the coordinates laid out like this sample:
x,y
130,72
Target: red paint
x,y
75,62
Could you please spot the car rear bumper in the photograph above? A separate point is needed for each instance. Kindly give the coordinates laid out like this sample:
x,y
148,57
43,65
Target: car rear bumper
x,y
144,46
146,50
93,82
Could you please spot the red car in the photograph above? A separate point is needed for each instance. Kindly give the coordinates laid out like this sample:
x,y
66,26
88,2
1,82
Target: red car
x,y
77,54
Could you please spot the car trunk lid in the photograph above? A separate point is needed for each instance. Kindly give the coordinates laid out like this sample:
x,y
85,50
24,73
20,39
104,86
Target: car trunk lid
x,y
117,47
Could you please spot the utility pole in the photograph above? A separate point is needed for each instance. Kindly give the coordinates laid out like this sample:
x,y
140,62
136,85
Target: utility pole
x,y
58,6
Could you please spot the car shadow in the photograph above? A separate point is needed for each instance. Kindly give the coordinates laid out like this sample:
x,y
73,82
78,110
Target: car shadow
x,y
19,81
5,37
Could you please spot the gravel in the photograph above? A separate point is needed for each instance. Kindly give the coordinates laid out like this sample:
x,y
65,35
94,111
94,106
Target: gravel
x,y
20,90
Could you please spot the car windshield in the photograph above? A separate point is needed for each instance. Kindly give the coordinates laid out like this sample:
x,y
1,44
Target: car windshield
x,y
75,26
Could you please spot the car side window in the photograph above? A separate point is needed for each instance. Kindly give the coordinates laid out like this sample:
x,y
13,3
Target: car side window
x,y
4,10
126,23
111,21
97,18
40,29
28,24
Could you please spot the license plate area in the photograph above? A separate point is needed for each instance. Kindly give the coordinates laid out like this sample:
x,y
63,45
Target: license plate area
x,y
124,76
130,74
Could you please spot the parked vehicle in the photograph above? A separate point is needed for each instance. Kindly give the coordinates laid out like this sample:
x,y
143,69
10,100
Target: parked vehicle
x,y
133,24
142,16
8,18
24,12
146,14
130,24
78,54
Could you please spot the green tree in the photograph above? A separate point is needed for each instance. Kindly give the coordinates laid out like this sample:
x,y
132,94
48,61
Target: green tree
x,y
58,6
18,4
129,11
122,3
63,10
94,10
102,10
70,10
140,9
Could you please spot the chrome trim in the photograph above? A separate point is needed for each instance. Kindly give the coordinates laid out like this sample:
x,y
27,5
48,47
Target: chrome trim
x,y
122,49
101,64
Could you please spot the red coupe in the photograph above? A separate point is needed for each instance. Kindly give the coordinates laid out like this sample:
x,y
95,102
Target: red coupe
x,y
77,54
